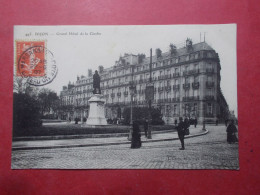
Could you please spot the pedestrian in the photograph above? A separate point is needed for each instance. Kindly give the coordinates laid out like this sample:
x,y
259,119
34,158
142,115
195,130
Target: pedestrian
x,y
145,127
136,136
217,122
181,132
231,132
187,125
195,122
175,122
226,122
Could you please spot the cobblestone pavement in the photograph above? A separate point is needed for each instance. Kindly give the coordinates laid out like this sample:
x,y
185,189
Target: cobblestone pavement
x,y
210,151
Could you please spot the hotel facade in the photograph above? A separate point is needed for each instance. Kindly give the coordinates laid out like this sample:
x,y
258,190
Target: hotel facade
x,y
186,83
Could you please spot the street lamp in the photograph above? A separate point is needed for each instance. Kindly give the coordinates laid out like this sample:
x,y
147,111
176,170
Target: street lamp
x,y
149,96
132,89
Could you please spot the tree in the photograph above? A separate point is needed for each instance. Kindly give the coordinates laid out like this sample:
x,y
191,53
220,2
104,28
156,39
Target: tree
x,y
158,52
172,49
49,101
26,112
20,85
141,57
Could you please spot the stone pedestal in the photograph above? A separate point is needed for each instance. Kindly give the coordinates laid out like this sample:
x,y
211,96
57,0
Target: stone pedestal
x,y
96,110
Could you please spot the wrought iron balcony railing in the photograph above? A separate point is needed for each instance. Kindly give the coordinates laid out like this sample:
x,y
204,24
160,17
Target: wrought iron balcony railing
x,y
176,87
210,84
186,85
195,85
209,97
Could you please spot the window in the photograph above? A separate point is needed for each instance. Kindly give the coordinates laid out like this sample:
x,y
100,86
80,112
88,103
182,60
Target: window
x,y
168,83
196,93
196,67
209,79
186,68
209,108
186,80
196,79
186,93
175,109
176,70
195,109
176,81
210,92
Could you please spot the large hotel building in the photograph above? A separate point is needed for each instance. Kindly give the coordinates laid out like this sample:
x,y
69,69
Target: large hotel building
x,y
186,83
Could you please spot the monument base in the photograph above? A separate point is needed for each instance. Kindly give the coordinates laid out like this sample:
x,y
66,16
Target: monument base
x,y
96,111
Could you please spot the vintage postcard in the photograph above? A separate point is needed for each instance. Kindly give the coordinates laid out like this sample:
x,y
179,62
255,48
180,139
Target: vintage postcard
x,y
125,97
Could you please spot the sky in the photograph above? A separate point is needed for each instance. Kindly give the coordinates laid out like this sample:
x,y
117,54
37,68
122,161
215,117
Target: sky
x,y
79,48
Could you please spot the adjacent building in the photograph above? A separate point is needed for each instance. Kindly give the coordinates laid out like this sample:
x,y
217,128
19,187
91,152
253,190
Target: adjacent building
x,y
186,83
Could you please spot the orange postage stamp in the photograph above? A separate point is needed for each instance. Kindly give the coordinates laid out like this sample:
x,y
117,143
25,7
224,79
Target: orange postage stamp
x,y
30,58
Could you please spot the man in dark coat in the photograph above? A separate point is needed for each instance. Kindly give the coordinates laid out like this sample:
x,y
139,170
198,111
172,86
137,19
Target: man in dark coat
x,y
145,127
195,122
181,132
231,130
175,122
136,136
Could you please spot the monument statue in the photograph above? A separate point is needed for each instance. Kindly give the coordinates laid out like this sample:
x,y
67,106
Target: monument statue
x,y
96,104
96,83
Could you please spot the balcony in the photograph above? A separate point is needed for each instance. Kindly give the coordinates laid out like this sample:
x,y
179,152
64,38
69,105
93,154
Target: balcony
x,y
195,85
176,87
176,74
160,89
186,85
209,115
190,98
160,77
168,88
177,99
112,95
126,93
209,70
209,97
191,72
160,101
168,76
210,84
119,94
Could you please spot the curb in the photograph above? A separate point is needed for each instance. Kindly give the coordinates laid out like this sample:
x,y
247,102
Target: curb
x,y
104,144
82,136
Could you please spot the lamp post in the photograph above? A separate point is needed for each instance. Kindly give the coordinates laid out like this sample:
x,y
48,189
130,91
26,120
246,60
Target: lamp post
x,y
149,96
132,89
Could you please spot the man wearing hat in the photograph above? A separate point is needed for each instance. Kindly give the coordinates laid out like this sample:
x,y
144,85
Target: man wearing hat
x,y
181,132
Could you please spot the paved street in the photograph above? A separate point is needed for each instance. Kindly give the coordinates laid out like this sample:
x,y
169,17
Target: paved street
x,y
210,151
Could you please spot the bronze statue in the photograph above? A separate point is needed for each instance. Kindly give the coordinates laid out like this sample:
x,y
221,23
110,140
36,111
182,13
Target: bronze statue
x,y
96,83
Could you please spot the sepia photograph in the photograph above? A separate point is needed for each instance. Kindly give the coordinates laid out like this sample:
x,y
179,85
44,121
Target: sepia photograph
x,y
125,97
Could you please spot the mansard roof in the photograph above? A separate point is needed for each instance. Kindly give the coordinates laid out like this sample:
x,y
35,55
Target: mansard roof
x,y
180,52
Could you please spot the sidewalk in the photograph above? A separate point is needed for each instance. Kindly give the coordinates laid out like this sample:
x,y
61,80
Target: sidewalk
x,y
87,142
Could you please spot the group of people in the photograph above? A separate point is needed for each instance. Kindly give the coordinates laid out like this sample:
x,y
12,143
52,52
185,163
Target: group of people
x,y
182,129
192,121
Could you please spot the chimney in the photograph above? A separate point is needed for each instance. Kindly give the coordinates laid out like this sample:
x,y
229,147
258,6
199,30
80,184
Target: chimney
x,y
90,73
100,69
